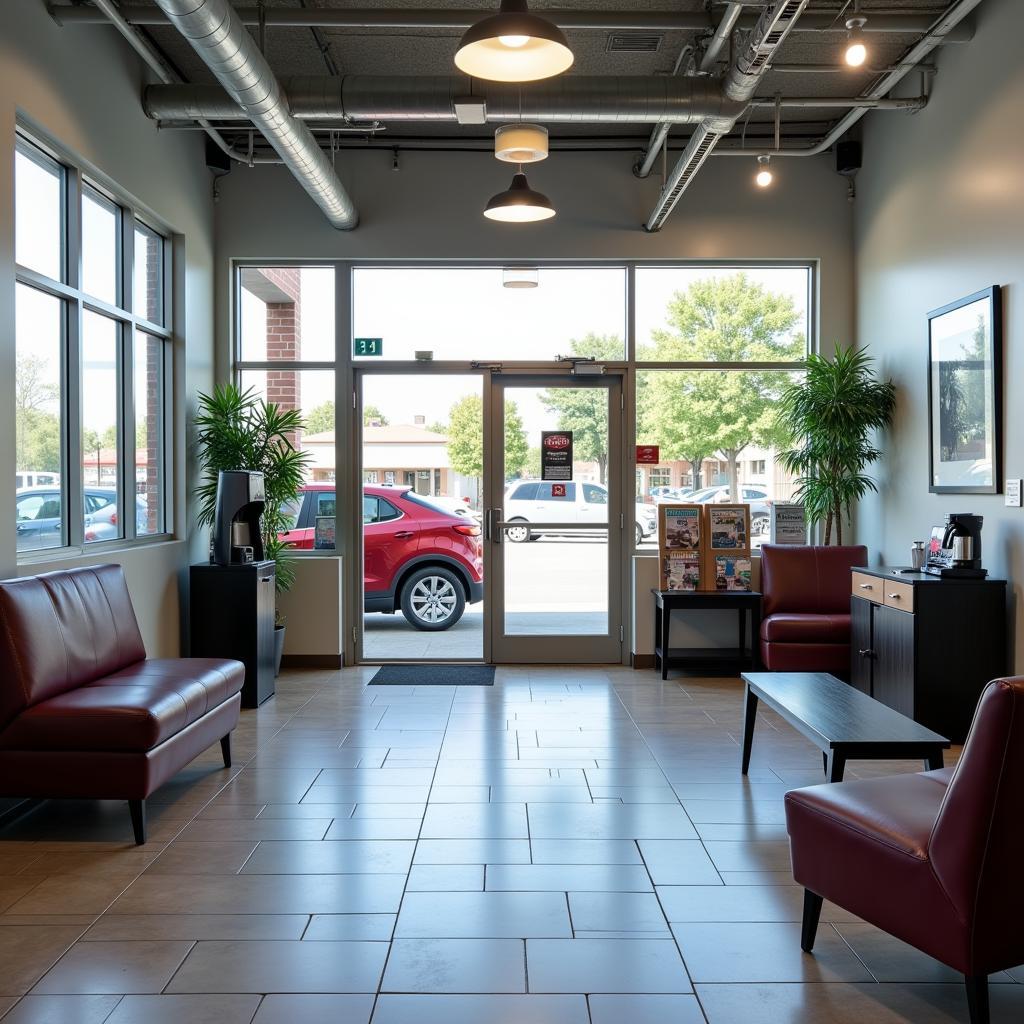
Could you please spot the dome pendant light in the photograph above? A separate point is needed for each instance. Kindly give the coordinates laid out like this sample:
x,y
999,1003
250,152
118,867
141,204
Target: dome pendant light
x,y
764,176
519,204
856,49
513,46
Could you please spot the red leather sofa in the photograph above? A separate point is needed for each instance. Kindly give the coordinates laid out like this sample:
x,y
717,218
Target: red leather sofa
x,y
83,713
932,858
805,617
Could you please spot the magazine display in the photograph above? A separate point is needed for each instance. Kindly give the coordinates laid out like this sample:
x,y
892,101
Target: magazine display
x,y
680,570
787,523
729,527
732,573
679,527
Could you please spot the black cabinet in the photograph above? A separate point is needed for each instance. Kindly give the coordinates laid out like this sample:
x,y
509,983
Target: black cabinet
x,y
927,646
231,615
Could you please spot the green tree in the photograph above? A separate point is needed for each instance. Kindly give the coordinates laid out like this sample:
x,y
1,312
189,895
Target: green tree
x,y
729,319
320,418
93,444
584,411
37,427
466,442
372,413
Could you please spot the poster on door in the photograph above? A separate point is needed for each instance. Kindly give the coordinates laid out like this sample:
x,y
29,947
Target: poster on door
x,y
556,455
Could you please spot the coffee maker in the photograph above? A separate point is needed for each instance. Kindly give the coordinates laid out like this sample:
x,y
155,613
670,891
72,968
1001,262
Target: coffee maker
x,y
957,553
236,525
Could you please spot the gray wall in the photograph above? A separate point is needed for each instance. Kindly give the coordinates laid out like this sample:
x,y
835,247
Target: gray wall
x,y
430,209
940,215
81,86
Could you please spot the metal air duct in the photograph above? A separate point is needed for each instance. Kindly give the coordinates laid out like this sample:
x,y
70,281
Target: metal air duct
x,y
227,48
739,85
576,99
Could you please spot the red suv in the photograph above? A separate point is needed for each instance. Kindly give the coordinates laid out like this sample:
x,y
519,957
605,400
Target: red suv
x,y
417,555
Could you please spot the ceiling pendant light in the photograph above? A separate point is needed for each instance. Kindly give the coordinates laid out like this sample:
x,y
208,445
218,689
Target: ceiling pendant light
x,y
519,204
520,277
513,46
764,175
856,49
521,143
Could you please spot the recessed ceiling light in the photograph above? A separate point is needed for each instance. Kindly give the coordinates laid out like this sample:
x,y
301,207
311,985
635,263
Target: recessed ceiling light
x,y
513,46
519,204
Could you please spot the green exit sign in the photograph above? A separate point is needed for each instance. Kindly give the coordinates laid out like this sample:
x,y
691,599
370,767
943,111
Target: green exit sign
x,y
368,346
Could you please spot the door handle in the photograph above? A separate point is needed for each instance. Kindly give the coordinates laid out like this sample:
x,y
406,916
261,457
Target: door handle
x,y
490,532
403,535
866,652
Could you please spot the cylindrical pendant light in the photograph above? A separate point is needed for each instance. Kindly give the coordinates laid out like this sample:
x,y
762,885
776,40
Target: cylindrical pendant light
x,y
521,143
519,204
520,277
513,46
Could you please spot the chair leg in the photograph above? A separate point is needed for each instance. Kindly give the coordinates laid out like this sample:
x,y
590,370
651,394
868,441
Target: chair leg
x,y
138,813
225,749
977,997
812,912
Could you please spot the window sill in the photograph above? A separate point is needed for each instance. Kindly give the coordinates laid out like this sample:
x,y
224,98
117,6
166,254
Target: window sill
x,y
45,556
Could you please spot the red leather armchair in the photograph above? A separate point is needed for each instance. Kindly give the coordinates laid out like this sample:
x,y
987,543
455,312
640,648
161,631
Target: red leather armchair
x,y
933,858
83,713
805,624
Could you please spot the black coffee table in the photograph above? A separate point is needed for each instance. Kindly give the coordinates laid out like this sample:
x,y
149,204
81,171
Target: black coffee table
x,y
842,722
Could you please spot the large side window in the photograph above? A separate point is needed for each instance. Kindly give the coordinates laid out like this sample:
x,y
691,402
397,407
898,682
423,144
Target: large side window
x,y
92,342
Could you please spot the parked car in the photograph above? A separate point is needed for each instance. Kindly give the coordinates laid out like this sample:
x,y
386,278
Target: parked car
x,y
35,478
756,497
457,506
38,516
532,501
662,493
104,520
418,557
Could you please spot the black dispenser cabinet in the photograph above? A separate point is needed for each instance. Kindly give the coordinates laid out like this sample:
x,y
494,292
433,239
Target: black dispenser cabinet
x,y
231,611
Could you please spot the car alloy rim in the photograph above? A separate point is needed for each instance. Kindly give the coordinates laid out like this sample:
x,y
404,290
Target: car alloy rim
x,y
516,533
433,599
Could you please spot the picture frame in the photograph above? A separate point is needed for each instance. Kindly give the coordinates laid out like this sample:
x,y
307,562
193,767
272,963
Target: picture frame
x,y
965,395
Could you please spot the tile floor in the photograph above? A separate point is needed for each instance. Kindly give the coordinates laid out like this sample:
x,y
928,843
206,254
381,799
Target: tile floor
x,y
570,846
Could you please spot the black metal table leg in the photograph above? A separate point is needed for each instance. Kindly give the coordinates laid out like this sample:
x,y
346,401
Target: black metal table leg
x,y
836,766
749,720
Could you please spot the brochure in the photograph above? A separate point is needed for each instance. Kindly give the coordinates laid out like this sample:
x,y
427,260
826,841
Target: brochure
x,y
732,573
788,524
680,570
680,527
728,528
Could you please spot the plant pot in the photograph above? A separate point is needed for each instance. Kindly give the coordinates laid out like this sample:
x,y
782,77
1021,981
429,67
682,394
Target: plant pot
x,y
278,649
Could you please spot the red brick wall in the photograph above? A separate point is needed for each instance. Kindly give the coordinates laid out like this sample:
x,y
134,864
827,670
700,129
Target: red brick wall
x,y
284,337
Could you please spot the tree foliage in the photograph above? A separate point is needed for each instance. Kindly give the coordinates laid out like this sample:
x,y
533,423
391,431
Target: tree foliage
x,y
584,411
832,414
466,441
236,429
37,427
694,414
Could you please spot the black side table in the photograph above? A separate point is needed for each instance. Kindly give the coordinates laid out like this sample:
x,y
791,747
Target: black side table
x,y
742,601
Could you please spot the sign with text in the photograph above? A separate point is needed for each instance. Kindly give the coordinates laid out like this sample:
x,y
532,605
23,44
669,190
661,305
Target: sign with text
x,y
556,455
648,454
362,347
558,490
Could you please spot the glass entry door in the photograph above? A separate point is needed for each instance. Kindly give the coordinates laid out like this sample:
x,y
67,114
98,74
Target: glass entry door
x,y
555,524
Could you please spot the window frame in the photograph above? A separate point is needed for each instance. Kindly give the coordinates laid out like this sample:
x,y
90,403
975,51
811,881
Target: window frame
x,y
78,180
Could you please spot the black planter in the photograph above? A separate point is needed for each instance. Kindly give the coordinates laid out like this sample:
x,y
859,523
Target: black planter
x,y
278,648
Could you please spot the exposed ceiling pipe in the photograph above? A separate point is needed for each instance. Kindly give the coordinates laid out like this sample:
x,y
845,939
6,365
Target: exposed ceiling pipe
x,y
155,62
740,83
940,29
628,99
707,63
908,103
229,50
894,21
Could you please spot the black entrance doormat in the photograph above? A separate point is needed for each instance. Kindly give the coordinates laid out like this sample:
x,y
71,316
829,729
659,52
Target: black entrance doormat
x,y
434,675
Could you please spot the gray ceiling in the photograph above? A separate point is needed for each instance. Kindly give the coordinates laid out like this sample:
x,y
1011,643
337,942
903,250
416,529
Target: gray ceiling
x,y
294,51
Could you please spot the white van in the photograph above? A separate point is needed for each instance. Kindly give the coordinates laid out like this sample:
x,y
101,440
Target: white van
x,y
35,478
532,501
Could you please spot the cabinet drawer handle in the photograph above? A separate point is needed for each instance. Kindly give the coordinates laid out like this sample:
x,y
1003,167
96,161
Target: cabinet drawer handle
x,y
896,597
867,586
266,579
866,652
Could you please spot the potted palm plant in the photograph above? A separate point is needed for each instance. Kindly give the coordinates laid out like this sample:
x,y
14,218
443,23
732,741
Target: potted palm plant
x,y
831,413
236,429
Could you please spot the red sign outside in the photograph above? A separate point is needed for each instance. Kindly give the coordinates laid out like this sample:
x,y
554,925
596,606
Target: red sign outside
x,y
558,490
647,454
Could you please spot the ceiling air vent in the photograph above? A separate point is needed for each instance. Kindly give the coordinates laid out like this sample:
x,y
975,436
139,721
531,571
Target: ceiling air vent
x,y
634,42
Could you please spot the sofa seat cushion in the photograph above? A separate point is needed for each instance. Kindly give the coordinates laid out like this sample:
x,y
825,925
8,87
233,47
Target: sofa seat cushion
x,y
135,709
806,628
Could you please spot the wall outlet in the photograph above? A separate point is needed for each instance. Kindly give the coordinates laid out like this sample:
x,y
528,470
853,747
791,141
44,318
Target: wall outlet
x,y
1013,493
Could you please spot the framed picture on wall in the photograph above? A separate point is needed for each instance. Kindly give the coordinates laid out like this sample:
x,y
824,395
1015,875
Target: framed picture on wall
x,y
965,395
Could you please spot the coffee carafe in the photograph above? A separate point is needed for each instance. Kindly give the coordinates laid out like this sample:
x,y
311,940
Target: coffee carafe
x,y
959,554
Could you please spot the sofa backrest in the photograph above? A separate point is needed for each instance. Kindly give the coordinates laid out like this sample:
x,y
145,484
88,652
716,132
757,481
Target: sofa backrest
x,y
808,578
63,630
977,845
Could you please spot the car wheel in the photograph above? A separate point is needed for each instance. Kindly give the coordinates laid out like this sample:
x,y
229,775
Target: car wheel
x,y
433,599
639,535
517,534
759,525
